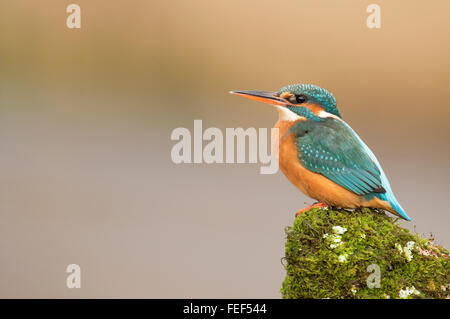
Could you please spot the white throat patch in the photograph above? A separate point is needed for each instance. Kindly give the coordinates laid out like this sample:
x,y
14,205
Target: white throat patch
x,y
284,114
324,114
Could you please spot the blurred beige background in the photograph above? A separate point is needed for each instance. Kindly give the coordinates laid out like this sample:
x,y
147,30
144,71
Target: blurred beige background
x,y
86,117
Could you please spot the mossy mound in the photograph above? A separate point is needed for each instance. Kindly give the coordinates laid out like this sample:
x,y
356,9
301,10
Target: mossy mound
x,y
336,254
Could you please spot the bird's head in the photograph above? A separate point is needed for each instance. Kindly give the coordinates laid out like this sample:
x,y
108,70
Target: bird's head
x,y
292,100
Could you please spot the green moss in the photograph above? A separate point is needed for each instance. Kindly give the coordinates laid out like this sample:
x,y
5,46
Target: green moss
x,y
326,262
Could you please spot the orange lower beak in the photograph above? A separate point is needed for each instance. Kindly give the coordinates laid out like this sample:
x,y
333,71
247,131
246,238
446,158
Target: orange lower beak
x,y
262,96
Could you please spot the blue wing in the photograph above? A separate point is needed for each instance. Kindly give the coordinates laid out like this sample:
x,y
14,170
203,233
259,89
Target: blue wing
x,y
330,148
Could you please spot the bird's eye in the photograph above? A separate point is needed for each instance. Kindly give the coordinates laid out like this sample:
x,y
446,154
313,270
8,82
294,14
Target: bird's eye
x,y
300,99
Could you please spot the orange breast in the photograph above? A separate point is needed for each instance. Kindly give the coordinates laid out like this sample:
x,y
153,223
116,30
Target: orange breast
x,y
312,184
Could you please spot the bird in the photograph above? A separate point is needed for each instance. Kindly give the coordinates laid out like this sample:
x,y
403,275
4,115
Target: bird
x,y
322,155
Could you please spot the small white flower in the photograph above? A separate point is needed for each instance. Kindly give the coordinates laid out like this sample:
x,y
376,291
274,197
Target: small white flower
x,y
363,235
354,291
405,293
339,230
387,296
335,241
342,258
410,245
407,250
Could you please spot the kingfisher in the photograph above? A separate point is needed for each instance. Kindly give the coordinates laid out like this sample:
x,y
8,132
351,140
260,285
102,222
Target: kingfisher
x,y
322,155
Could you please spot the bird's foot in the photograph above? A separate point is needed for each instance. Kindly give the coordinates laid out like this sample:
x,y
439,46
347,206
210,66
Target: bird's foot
x,y
318,204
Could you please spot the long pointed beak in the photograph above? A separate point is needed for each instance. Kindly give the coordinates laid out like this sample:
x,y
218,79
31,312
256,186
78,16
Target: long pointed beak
x,y
262,96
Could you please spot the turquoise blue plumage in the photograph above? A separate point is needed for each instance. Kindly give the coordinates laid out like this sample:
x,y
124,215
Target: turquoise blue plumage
x,y
328,146
339,157
322,155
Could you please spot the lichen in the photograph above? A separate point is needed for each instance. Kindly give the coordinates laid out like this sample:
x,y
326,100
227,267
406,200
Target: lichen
x,y
328,253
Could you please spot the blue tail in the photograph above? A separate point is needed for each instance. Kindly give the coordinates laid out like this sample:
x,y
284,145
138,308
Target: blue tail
x,y
390,198
389,195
